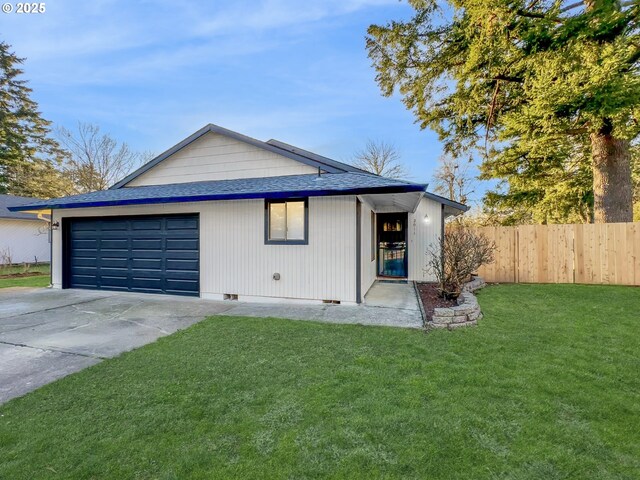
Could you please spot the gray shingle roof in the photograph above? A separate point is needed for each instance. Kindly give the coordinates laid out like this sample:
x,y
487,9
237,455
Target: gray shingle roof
x,y
269,187
7,201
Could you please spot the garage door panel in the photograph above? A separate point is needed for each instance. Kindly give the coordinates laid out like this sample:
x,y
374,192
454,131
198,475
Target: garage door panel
x,y
83,262
88,279
87,234
113,280
115,225
79,244
148,273
84,270
156,254
147,224
108,271
181,275
182,244
182,264
182,224
151,284
146,263
146,244
114,244
180,285
181,255
114,262
87,226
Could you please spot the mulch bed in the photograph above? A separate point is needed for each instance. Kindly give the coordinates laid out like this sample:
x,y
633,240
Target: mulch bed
x,y
430,299
20,275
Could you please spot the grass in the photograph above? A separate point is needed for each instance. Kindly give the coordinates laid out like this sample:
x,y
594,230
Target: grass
x,y
547,387
42,280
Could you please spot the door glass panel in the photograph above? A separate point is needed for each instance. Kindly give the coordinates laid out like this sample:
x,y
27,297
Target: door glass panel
x,y
277,221
295,220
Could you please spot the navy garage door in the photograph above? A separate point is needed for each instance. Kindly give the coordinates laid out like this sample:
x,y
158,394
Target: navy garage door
x,y
153,254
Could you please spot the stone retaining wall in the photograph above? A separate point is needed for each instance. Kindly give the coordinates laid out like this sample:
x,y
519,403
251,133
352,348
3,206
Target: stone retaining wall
x,y
466,313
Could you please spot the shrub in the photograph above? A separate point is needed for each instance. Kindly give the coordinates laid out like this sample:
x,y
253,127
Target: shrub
x,y
463,252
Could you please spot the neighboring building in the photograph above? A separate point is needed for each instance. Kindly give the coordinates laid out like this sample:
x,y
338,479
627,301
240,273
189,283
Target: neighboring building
x,y
225,216
24,238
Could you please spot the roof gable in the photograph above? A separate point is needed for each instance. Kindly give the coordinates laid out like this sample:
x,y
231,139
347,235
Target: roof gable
x,y
281,149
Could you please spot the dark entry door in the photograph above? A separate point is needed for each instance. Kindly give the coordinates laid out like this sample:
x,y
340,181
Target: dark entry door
x,y
392,244
152,254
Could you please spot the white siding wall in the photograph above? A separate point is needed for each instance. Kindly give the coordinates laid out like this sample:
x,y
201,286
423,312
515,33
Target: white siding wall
x,y
217,157
235,260
25,240
368,266
422,234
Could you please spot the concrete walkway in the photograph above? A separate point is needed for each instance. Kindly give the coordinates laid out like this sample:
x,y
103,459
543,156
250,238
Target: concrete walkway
x,y
389,294
385,304
47,334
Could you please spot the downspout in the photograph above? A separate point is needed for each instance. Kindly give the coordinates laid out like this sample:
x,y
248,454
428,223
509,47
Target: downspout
x,y
358,251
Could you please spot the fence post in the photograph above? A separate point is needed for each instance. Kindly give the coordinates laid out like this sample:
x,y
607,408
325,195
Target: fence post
x,y
517,255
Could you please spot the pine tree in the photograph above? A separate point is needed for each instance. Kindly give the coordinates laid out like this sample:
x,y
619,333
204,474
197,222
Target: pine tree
x,y
29,158
548,90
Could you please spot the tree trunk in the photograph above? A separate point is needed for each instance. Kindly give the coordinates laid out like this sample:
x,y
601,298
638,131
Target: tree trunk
x,y
612,185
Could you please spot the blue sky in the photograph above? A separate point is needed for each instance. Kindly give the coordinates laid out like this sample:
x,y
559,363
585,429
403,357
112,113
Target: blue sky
x,y
153,72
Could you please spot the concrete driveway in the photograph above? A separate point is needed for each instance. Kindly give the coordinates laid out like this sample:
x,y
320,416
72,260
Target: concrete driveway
x,y
47,334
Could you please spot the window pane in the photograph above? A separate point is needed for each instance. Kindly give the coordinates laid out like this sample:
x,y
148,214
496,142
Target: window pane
x,y
277,221
295,220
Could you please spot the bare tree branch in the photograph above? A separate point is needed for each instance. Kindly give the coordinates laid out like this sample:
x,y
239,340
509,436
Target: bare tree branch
x,y
456,257
95,161
380,158
453,179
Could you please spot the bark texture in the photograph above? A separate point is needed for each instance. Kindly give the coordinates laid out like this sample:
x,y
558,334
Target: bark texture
x,y
612,185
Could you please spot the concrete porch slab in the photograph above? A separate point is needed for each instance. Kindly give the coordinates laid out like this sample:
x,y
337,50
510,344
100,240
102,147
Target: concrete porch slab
x,y
392,295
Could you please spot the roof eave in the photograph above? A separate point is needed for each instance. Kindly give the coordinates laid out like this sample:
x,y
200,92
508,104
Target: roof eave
x,y
28,219
445,201
227,196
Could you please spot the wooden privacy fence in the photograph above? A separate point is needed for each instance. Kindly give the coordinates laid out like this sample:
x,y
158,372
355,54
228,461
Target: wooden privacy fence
x,y
583,253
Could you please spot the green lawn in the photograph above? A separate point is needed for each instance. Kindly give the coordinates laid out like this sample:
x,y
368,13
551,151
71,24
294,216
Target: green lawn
x,y
34,281
547,387
42,280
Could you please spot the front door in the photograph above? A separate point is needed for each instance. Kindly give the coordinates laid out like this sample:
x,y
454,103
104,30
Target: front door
x,y
392,245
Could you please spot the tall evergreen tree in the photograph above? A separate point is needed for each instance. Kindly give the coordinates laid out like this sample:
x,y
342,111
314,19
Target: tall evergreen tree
x,y
548,89
29,158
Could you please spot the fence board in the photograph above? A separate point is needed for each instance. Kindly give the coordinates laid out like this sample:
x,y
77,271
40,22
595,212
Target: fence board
x,y
580,253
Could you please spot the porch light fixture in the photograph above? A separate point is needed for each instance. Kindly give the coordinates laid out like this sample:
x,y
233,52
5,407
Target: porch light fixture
x,y
55,225
426,219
